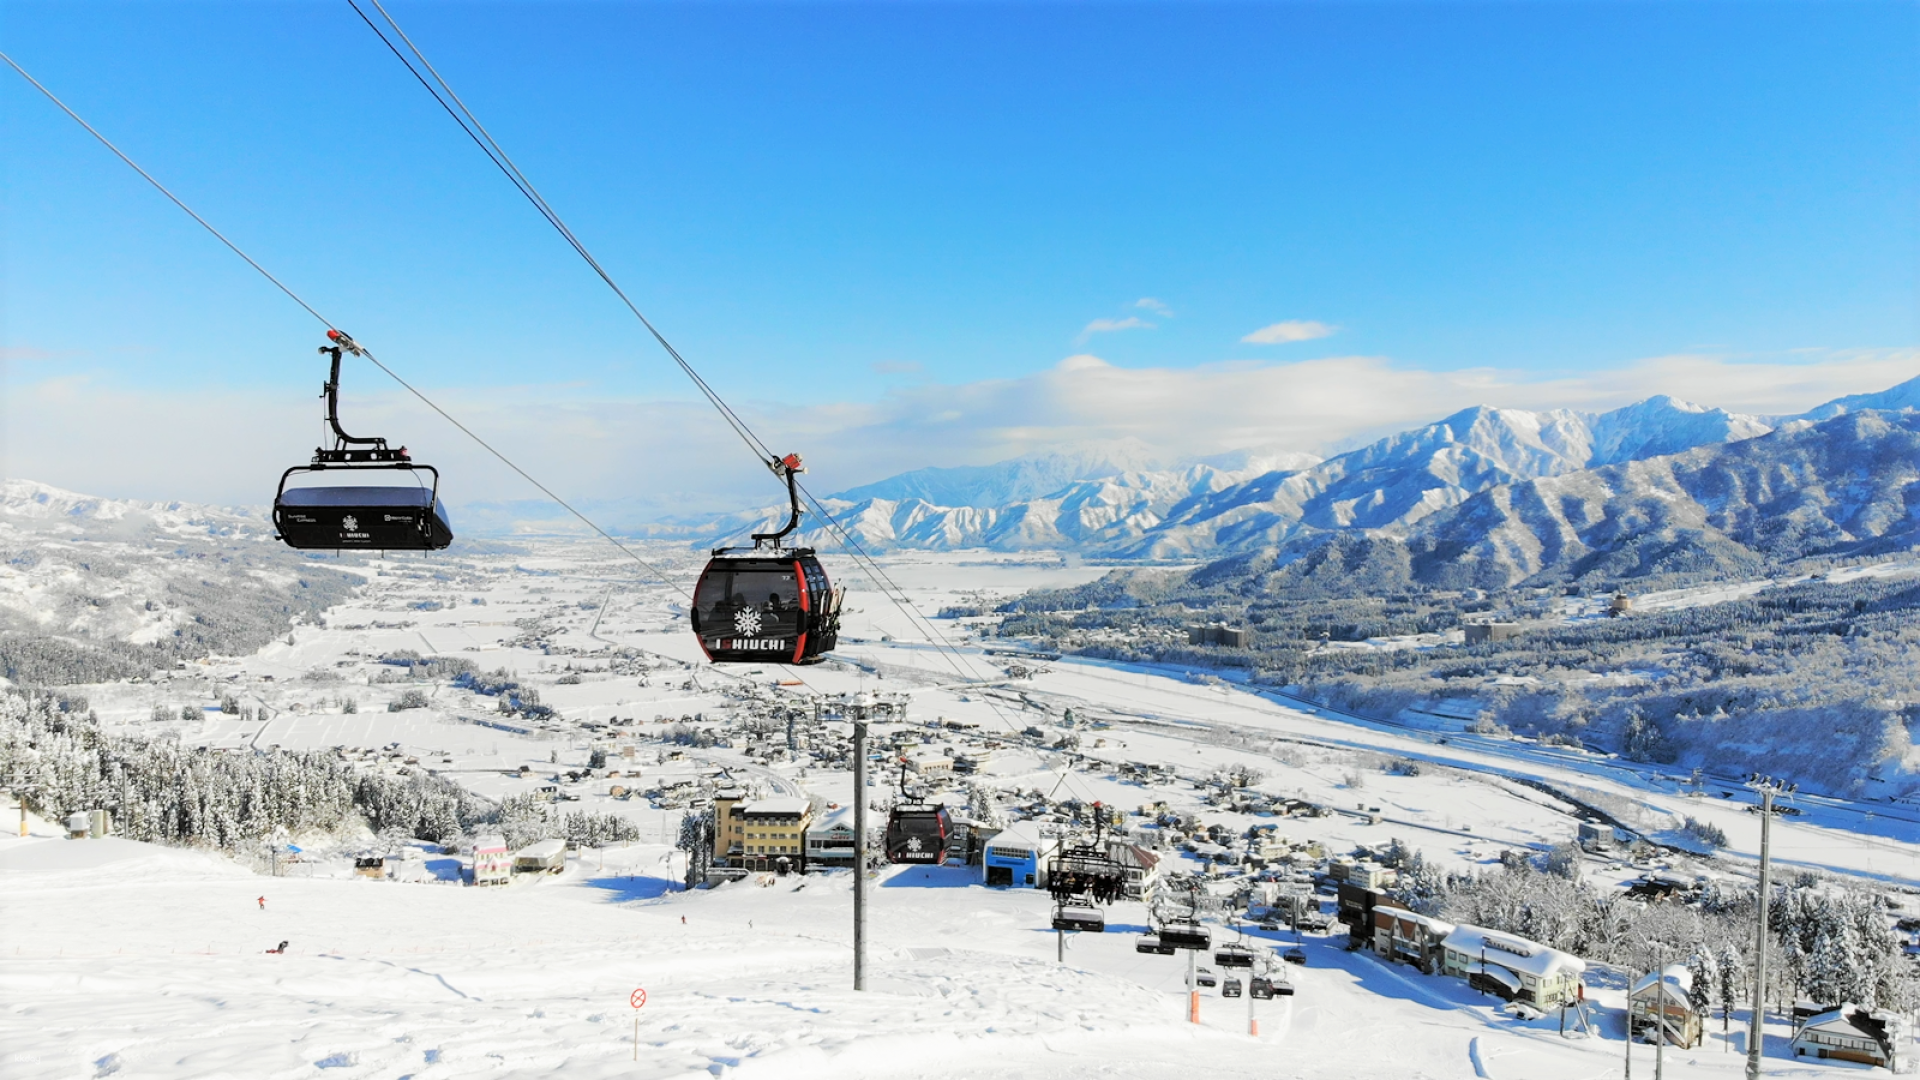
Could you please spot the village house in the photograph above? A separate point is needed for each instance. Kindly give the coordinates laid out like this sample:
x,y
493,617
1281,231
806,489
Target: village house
x,y
1512,968
492,865
541,857
761,834
1406,937
830,839
1142,867
1662,1003
1851,1033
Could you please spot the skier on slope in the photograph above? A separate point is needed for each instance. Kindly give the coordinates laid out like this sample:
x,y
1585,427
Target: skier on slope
x,y
263,903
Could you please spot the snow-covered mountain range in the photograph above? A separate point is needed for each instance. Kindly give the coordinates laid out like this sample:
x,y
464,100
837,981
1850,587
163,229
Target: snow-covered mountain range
x,y
1113,506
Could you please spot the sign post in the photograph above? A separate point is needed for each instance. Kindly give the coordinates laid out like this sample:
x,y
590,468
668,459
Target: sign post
x,y
637,999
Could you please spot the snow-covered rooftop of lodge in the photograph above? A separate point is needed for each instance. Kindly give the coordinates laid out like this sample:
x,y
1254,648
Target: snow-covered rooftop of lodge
x,y
1513,953
1434,926
779,806
1676,979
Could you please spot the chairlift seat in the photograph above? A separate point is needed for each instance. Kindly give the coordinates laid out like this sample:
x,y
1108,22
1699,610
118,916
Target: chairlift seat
x,y
1185,936
1151,944
1234,955
1260,987
387,517
1230,987
1079,918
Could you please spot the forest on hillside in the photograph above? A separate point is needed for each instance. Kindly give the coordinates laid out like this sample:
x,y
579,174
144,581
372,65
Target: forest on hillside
x,y
1818,680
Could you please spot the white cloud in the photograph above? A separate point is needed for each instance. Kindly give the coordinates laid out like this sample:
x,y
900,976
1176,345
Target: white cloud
x,y
638,459
1148,303
1282,333
1108,326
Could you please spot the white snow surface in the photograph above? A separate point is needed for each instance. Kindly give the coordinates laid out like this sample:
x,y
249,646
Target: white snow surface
x,y
126,959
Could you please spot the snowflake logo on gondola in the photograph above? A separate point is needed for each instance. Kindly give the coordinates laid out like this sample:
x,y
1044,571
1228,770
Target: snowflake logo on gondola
x,y
913,844
747,621
350,523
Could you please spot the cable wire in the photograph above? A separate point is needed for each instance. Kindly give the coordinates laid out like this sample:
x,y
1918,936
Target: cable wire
x,y
328,323
449,101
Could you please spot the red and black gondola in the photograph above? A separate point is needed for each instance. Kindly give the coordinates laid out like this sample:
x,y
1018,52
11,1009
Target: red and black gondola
x,y
768,604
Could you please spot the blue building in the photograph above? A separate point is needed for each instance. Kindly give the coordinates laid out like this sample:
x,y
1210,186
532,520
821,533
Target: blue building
x,y
1017,857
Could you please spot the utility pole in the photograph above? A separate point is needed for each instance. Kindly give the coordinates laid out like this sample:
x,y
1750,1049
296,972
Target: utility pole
x,y
859,710
1660,1021
1756,1036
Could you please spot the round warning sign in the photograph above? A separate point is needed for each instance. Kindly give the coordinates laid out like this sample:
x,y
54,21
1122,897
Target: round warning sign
x,y
638,998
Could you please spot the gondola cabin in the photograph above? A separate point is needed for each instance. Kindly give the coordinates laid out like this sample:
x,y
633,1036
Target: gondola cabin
x,y
768,608
917,834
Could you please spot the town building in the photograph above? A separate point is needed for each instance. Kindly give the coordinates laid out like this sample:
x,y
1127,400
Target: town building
x,y
830,839
1017,857
491,863
1407,937
1661,1003
1355,911
1142,867
761,834
1481,632
1217,634
1851,1033
541,857
1512,968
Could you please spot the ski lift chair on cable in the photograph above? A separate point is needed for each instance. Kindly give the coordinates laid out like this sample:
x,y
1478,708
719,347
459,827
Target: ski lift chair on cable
x,y
1185,934
1230,987
392,516
768,604
1260,987
1234,955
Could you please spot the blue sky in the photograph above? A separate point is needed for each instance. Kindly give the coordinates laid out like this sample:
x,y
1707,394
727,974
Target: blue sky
x,y
873,225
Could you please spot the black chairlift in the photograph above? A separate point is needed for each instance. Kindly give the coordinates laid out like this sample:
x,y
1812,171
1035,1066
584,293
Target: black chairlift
x,y
768,604
1230,987
1151,945
1079,917
1234,955
390,517
1185,935
1260,987
1087,872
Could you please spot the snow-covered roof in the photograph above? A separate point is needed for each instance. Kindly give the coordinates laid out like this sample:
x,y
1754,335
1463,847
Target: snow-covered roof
x,y
1020,835
1438,927
1513,953
1677,980
541,849
840,817
784,806
490,843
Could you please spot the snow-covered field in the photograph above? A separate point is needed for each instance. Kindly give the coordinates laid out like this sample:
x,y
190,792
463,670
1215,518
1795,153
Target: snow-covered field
x,y
131,960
